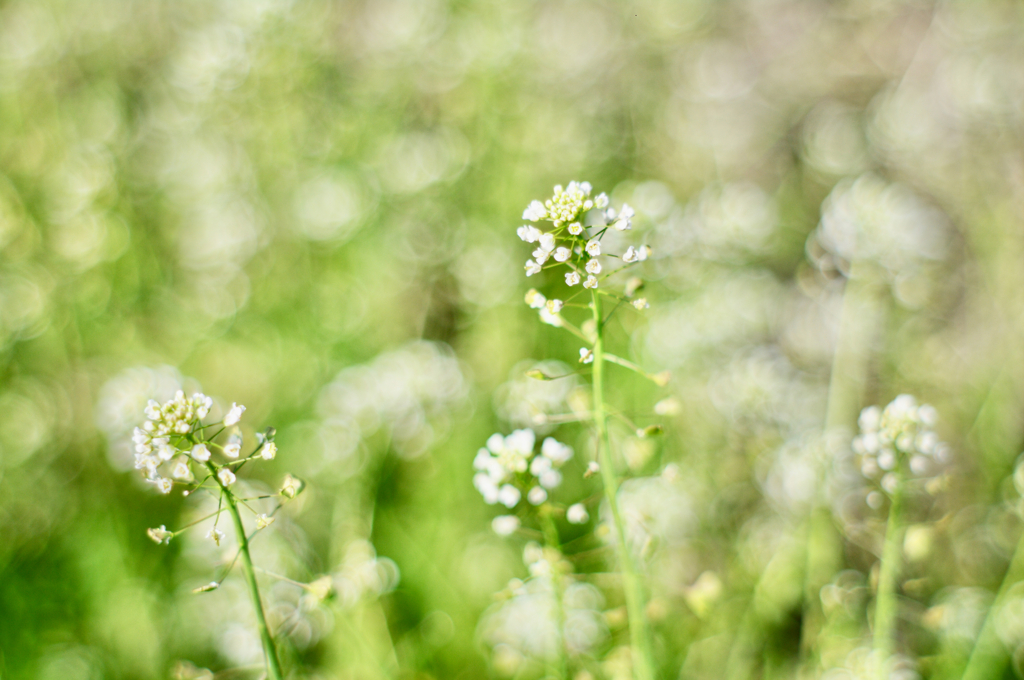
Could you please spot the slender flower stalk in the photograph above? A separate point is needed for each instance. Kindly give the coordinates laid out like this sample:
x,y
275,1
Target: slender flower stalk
x,y
269,648
639,634
552,541
886,600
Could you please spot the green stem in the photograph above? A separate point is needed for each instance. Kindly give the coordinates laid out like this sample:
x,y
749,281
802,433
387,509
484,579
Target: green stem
x,y
639,634
551,540
269,650
886,603
989,656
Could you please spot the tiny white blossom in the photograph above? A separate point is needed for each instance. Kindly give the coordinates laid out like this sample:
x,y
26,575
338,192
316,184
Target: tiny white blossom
x,y
232,449
203,404
562,254
528,233
586,355
291,486
485,484
216,534
234,415
555,451
182,471
575,228
591,281
643,252
263,521
226,476
572,278
551,479
541,255
586,187
537,495
593,468
166,452
630,255
532,268
593,267
640,303
593,247
624,220
535,211
535,299
550,318
163,484
505,525
555,306
601,201
547,242
577,514
509,496
161,535
269,451
540,465
200,453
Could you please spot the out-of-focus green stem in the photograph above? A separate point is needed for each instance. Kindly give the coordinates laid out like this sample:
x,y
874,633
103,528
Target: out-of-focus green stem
x,y
989,656
551,540
886,602
269,649
639,632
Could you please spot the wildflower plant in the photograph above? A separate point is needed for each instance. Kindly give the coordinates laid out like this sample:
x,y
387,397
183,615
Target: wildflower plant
x,y
896,445
174,448
571,242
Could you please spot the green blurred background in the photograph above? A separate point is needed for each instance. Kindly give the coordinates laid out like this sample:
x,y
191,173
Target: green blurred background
x,y
310,208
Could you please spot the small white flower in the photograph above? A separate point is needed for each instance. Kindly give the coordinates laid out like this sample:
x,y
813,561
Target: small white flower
x,y
291,486
232,449
555,306
216,534
562,254
640,303
505,525
577,514
166,452
555,451
161,535
263,521
537,495
528,233
630,255
547,242
535,211
509,496
546,316
532,268
575,228
624,220
591,281
203,404
572,278
234,415
163,484
152,410
535,299
487,487
643,252
541,255
593,247
593,267
586,188
592,468
200,453
551,479
601,201
586,355
182,471
226,476
269,451
540,465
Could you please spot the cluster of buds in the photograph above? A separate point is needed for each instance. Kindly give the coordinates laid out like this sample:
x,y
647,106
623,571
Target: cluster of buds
x,y
509,468
575,240
898,441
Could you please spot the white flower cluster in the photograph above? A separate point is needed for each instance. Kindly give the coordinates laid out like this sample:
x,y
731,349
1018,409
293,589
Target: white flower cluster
x,y
898,440
577,249
167,437
508,466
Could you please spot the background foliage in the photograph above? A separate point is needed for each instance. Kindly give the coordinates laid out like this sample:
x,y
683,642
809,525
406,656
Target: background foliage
x,y
309,208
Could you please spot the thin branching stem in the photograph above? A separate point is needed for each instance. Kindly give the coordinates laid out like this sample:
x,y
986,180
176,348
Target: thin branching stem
x,y
886,600
639,632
